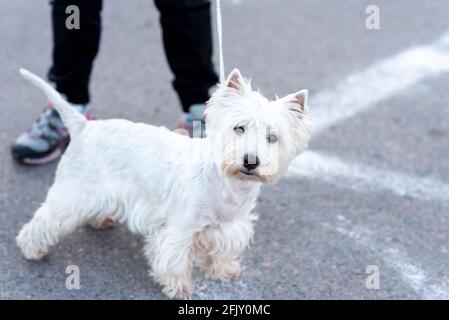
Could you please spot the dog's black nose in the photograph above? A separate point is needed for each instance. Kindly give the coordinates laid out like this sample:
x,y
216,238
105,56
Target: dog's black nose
x,y
250,162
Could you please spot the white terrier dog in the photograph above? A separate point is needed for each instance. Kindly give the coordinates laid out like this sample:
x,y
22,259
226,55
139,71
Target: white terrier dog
x,y
191,199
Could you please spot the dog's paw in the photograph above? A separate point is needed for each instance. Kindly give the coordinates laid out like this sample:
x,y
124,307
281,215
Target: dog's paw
x,y
30,248
228,271
178,288
102,223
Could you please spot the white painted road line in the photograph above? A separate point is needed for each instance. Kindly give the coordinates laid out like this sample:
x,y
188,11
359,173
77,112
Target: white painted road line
x,y
409,270
381,81
359,92
365,178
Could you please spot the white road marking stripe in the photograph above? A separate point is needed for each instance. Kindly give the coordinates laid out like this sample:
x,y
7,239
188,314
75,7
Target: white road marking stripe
x,y
381,81
408,269
357,93
361,177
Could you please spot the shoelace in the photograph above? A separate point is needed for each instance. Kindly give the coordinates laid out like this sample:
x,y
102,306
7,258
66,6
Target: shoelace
x,y
48,125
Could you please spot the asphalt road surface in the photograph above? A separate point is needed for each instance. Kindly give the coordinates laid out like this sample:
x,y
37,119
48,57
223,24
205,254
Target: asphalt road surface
x,y
371,194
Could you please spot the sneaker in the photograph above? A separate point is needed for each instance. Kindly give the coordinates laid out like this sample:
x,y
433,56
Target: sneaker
x,y
46,140
192,123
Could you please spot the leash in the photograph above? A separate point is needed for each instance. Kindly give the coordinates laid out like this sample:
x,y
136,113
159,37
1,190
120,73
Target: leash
x,y
220,42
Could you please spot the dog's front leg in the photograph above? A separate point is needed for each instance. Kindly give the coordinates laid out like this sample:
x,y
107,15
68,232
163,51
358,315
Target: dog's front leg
x,y
169,254
222,246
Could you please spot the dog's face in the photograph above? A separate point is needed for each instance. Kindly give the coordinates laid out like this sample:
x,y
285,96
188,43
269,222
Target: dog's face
x,y
253,138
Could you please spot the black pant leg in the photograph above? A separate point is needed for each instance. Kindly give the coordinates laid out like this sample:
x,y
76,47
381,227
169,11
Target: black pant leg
x,y
75,49
187,36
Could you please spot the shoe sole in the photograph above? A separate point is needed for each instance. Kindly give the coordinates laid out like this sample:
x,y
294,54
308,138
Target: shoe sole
x,y
52,156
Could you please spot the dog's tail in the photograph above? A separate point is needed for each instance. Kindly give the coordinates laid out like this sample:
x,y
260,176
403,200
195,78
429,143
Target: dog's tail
x,y
73,120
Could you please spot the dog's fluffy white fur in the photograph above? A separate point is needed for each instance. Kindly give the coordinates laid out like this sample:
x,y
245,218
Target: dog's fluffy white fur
x,y
191,199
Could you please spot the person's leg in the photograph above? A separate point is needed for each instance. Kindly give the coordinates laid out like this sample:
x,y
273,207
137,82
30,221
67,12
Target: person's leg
x,y
75,49
73,54
187,36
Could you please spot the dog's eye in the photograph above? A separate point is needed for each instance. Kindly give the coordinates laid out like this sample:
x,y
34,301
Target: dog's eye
x,y
272,138
239,130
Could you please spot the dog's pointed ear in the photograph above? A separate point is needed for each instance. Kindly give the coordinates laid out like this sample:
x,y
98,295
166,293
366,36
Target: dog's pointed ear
x,y
235,80
298,100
